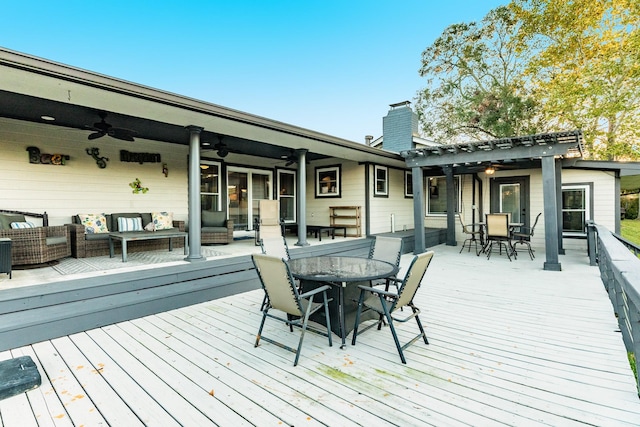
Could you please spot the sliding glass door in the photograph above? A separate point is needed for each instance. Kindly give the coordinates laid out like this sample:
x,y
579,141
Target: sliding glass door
x,y
246,187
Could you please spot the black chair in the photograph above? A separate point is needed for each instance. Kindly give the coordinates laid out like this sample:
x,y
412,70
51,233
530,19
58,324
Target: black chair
x,y
386,304
388,249
524,235
473,236
283,296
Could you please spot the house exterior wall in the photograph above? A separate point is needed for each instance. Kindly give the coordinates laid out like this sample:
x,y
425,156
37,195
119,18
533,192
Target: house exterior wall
x,y
395,204
80,186
352,192
602,183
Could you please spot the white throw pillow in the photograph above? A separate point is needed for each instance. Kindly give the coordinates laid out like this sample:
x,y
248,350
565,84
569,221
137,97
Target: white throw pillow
x,y
26,224
129,224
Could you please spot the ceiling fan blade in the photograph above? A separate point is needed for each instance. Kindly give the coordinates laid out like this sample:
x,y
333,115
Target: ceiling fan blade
x,y
121,133
96,135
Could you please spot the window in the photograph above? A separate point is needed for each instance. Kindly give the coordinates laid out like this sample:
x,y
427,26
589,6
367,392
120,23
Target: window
x,y
576,209
287,195
408,184
328,181
210,186
437,191
381,174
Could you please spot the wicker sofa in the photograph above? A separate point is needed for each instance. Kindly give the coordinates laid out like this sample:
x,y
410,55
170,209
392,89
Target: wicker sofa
x,y
84,245
216,228
36,245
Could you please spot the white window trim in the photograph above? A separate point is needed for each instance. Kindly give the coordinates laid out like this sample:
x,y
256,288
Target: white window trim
x,y
377,168
219,193
338,170
408,177
587,207
295,192
427,195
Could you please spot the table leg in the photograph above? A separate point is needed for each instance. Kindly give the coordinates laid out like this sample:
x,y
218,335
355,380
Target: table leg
x,y
110,247
170,244
319,235
124,250
333,233
186,244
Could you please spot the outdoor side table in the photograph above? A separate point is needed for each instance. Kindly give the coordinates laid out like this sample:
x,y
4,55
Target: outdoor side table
x,y
5,256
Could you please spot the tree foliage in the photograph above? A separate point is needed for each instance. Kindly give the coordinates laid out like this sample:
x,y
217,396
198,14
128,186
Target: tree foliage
x,y
586,71
539,65
475,86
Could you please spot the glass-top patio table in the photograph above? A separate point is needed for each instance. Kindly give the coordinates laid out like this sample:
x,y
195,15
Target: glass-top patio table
x,y
344,274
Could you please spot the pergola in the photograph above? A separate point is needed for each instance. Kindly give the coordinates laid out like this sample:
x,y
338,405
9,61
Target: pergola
x,y
525,152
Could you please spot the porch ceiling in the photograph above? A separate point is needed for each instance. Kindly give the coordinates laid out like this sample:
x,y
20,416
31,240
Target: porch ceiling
x,y
32,87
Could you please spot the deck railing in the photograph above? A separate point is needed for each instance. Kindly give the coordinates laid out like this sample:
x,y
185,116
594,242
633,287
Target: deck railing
x,y
620,273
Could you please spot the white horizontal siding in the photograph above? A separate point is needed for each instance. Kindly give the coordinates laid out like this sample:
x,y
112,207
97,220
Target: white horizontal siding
x,y
80,185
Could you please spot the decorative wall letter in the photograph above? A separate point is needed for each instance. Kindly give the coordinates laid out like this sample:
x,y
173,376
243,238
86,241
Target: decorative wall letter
x,y
46,159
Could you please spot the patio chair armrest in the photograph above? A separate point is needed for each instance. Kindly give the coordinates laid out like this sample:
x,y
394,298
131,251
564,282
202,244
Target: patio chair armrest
x,y
378,291
56,231
314,291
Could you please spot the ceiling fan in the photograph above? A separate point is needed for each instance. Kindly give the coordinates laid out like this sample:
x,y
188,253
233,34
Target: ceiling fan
x,y
221,147
103,128
291,158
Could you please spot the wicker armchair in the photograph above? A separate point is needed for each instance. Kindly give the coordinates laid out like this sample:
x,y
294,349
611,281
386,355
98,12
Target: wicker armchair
x,y
216,228
36,245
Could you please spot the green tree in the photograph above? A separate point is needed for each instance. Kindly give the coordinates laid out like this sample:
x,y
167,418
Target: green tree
x,y
475,82
586,69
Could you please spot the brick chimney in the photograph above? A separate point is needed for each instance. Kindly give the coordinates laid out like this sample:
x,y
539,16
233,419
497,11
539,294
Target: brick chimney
x,y
399,127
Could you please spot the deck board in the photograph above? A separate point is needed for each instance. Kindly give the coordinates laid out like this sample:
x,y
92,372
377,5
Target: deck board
x,y
522,347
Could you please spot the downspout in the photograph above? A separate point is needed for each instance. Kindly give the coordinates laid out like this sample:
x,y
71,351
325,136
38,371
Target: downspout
x,y
367,200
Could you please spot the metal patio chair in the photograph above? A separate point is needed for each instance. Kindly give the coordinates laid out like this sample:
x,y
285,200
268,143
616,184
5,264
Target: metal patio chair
x,y
388,249
386,304
473,236
524,235
498,233
274,245
283,295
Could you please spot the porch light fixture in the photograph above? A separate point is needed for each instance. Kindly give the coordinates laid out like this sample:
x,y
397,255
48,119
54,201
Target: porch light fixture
x,y
490,170
48,118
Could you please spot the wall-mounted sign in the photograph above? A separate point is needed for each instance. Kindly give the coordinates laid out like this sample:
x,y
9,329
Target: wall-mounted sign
x,y
35,156
127,156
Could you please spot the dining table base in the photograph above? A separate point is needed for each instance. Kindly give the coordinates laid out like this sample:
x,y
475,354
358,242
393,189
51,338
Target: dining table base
x,y
343,306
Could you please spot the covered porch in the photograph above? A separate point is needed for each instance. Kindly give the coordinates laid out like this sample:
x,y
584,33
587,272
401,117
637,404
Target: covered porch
x,y
522,347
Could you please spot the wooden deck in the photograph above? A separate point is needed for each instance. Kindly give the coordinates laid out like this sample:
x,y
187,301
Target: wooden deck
x,y
510,344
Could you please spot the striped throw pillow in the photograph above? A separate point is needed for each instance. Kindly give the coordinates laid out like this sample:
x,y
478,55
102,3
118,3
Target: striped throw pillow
x,y
26,224
129,224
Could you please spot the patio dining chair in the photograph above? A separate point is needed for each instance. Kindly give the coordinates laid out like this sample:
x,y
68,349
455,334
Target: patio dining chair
x,y
274,245
524,235
388,249
386,304
283,296
498,233
472,236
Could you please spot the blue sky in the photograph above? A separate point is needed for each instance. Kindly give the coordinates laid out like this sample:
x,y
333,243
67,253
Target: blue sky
x,y
332,66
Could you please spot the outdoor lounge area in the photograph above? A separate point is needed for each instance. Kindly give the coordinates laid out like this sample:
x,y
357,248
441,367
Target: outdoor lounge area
x,y
501,352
